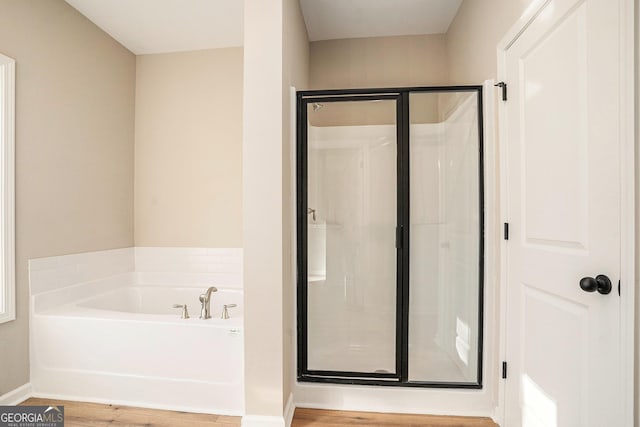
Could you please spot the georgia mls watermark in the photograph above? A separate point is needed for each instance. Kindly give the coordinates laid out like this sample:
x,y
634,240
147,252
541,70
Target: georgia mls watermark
x,y
31,416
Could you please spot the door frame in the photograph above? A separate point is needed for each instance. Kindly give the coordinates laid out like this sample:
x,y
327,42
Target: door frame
x,y
401,95
416,400
627,197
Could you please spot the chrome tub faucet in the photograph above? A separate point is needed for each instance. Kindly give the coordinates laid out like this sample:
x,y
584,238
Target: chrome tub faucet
x,y
205,299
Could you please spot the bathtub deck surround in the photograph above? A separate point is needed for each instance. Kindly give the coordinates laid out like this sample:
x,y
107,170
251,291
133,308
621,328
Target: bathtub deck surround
x,y
104,328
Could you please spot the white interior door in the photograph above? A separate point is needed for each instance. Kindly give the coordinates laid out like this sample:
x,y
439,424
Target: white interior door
x,y
563,205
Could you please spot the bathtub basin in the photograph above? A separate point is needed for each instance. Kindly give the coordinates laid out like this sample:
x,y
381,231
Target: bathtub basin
x,y
129,346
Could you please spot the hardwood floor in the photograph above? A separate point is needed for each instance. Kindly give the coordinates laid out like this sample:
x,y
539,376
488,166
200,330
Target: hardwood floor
x,y
323,418
81,414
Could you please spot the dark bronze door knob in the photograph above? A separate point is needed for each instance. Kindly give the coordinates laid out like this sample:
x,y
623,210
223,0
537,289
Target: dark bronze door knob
x,y
601,283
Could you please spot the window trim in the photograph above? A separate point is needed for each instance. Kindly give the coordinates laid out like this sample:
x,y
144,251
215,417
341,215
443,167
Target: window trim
x,y
7,189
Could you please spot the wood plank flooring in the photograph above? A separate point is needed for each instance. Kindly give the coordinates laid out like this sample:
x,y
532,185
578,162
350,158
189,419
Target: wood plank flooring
x,y
324,418
82,414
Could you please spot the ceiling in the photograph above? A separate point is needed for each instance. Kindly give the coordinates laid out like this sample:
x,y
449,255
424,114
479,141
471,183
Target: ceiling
x,y
343,19
159,26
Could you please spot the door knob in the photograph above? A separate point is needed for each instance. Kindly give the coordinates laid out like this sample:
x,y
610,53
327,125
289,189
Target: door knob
x,y
601,283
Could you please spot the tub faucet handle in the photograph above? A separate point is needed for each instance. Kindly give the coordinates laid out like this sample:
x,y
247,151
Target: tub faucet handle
x,y
185,312
225,312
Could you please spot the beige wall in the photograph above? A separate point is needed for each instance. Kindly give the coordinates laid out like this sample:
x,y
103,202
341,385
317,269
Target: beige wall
x,y
74,148
378,62
188,149
296,74
473,37
275,58
262,174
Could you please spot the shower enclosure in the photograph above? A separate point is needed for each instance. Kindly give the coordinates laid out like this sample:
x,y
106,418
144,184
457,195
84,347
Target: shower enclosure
x,y
390,236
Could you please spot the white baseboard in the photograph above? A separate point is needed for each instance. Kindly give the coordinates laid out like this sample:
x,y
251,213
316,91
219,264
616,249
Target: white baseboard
x,y
16,396
262,421
403,400
497,415
289,410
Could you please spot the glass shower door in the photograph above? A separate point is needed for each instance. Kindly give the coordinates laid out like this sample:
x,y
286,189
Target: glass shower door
x,y
445,280
390,223
351,206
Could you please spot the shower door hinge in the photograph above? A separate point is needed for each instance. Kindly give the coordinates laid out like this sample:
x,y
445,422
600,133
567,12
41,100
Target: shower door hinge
x,y
399,237
506,231
503,86
504,370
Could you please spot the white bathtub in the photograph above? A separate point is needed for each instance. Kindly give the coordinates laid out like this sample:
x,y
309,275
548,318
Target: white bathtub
x,y
129,346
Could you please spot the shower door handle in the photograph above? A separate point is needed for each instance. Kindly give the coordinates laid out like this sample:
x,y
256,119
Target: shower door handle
x,y
399,229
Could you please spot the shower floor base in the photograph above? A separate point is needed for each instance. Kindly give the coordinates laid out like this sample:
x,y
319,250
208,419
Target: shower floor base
x,y
429,365
435,366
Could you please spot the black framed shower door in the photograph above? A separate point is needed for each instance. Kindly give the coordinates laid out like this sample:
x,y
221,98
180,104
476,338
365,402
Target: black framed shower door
x,y
332,109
